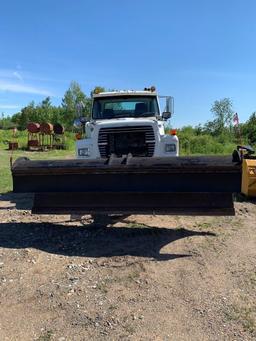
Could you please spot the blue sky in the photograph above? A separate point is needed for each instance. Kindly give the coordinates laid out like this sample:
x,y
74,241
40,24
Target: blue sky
x,y
198,51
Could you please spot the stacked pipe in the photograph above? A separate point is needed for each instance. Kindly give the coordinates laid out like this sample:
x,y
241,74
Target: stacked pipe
x,y
13,144
45,136
33,129
58,137
58,129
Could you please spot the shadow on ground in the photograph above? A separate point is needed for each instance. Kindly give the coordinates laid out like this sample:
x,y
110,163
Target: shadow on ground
x,y
20,201
94,241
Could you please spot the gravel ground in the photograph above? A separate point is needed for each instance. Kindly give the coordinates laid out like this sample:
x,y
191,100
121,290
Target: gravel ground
x,y
138,278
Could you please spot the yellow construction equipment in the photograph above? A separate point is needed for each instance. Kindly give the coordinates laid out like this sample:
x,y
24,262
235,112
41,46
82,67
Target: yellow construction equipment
x,y
249,177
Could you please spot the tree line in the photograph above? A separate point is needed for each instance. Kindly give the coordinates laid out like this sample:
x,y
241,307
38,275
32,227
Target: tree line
x,y
214,136
221,134
45,111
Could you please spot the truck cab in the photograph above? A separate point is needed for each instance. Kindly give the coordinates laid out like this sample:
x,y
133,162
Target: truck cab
x,y
128,123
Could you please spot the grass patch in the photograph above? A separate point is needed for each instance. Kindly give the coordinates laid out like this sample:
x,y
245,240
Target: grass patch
x,y
102,287
246,315
113,307
5,172
46,336
253,279
133,276
129,328
203,226
22,139
6,135
138,225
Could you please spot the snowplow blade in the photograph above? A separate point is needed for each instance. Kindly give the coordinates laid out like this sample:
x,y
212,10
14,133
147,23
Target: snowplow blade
x,y
182,185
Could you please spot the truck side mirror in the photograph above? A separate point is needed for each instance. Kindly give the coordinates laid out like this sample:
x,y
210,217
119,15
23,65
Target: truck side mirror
x,y
80,122
169,107
77,123
166,115
83,120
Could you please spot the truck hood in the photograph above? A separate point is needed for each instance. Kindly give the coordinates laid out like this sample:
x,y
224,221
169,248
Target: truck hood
x,y
125,121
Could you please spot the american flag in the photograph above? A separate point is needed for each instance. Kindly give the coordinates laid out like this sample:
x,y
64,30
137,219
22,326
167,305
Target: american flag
x,y
236,119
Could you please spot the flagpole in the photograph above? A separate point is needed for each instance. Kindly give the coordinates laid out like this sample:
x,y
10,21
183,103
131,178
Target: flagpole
x,y
237,125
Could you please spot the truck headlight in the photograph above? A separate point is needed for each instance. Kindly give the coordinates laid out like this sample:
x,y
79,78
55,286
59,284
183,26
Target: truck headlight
x,y
170,148
84,151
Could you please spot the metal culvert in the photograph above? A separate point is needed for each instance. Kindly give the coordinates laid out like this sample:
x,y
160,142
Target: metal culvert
x,y
33,127
46,128
58,129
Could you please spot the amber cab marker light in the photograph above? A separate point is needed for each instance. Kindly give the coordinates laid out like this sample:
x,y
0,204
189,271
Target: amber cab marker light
x,y
173,132
78,136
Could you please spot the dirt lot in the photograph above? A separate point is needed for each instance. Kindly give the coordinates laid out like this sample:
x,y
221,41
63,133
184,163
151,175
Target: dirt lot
x,y
143,278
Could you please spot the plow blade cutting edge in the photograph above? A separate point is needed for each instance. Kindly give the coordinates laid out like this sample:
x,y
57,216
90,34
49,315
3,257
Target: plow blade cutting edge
x,y
182,185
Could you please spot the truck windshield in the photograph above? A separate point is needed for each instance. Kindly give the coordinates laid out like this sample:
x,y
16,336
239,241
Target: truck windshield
x,y
124,106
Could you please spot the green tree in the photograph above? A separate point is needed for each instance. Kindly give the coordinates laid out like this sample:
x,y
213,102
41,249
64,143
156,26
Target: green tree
x,y
249,129
223,112
26,115
6,122
72,98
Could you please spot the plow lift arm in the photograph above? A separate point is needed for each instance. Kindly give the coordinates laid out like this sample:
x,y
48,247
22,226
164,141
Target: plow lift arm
x,y
194,185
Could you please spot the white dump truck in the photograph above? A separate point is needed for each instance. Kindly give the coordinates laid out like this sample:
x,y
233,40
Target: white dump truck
x,y
127,164
127,123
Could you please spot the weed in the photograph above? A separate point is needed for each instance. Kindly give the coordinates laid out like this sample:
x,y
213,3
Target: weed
x,y
204,225
137,225
243,314
113,307
102,287
253,278
129,329
46,336
134,275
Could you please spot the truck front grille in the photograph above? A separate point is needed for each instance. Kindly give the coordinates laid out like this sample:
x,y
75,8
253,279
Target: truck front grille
x,y
137,140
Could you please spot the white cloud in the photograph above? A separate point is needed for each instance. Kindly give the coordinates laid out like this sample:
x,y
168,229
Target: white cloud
x,y
17,75
11,74
9,106
22,88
